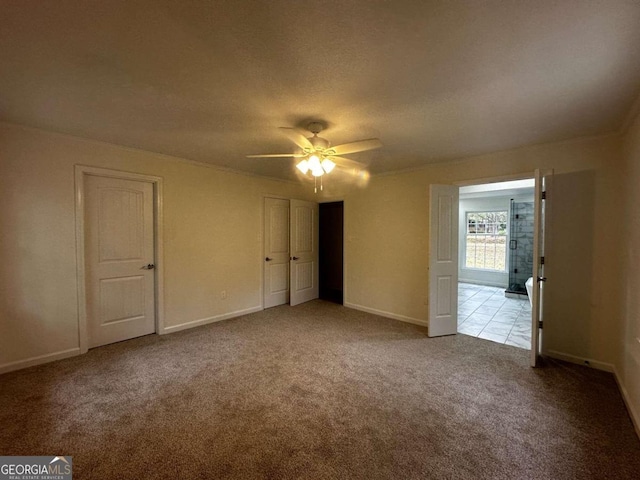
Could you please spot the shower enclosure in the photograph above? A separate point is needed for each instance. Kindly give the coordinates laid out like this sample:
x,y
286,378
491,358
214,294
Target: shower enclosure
x,y
520,246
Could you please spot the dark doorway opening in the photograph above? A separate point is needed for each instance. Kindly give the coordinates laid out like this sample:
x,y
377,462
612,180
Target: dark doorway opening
x,y
331,228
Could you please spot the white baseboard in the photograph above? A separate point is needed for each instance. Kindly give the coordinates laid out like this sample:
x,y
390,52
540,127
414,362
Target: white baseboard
x,y
382,313
633,413
72,352
30,362
205,321
607,367
587,362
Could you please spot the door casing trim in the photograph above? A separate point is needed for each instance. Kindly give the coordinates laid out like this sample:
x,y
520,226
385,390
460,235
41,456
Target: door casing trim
x,y
81,171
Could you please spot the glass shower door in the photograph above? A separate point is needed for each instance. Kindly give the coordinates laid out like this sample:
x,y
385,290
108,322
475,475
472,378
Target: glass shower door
x,y
520,245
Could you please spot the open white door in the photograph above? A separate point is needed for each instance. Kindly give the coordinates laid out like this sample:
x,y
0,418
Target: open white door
x,y
537,297
443,260
276,252
304,251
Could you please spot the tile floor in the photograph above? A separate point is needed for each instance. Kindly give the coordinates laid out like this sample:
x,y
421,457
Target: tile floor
x,y
485,312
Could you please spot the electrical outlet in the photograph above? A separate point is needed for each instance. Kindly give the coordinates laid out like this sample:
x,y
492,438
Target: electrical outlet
x,y
223,294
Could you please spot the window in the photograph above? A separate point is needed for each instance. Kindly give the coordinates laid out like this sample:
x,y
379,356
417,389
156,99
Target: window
x,y
486,240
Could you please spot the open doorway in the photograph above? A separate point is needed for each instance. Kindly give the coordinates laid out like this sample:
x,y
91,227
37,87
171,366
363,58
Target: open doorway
x,y
331,263
495,248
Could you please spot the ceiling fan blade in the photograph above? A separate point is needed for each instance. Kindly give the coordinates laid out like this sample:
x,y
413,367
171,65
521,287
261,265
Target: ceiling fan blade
x,y
345,162
359,146
297,137
277,155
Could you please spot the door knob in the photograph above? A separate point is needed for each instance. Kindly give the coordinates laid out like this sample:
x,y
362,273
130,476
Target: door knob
x,y
267,259
150,266
295,258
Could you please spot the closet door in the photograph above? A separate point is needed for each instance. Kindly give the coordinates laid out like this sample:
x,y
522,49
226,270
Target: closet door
x,y
304,251
276,251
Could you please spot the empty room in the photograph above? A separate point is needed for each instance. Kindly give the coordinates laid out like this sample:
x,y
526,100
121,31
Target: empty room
x,y
333,239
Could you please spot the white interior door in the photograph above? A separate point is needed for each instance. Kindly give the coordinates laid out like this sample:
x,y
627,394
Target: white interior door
x,y
276,251
537,297
304,251
443,260
119,258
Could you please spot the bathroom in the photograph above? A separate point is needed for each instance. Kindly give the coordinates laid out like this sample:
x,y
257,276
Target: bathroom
x,y
495,261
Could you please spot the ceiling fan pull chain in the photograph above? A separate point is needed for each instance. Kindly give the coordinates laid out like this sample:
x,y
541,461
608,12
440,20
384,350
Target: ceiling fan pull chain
x,y
321,183
315,184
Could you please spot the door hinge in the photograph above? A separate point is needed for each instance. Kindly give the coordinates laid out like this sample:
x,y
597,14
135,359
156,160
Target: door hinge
x,y
541,260
540,324
544,195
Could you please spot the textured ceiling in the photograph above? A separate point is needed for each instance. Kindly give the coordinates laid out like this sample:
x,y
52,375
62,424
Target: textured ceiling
x,y
211,80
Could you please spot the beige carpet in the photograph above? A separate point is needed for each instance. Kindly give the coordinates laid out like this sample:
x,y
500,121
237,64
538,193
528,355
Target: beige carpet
x,y
318,391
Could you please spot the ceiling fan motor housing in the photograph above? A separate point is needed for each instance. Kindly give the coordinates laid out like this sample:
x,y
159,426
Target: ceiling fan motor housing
x,y
315,127
319,143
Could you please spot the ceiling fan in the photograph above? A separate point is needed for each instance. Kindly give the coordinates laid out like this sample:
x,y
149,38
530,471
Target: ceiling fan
x,y
317,155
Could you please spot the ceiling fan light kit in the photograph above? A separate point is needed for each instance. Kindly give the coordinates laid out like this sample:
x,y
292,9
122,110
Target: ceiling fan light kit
x,y
328,165
303,166
318,157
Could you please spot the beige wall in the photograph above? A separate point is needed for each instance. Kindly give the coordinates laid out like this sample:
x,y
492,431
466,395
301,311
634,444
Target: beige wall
x,y
386,225
212,222
629,358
